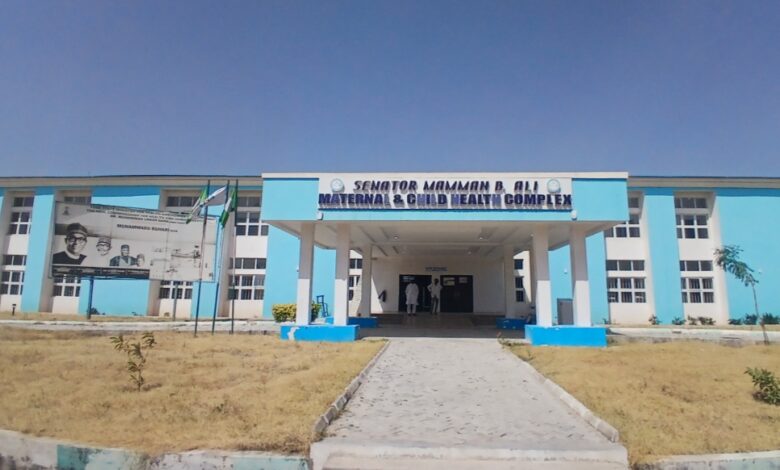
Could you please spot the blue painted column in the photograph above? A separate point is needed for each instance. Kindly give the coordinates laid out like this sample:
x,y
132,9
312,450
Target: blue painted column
x,y
664,253
36,272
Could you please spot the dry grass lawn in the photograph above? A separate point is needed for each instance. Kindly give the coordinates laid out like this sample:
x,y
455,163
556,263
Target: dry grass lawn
x,y
245,392
670,398
74,317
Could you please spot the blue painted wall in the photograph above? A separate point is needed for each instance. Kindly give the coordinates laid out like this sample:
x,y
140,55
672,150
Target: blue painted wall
x,y
597,275
281,274
560,277
324,275
38,249
290,199
749,218
125,296
600,199
664,253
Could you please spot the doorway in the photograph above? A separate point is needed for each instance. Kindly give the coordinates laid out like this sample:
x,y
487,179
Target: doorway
x,y
424,298
457,294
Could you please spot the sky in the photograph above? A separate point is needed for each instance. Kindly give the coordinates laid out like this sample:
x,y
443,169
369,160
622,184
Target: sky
x,y
684,88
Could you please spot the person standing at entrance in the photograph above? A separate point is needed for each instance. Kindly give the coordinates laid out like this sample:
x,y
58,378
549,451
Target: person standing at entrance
x,y
412,293
435,290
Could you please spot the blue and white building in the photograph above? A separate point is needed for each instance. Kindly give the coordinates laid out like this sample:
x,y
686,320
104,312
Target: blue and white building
x,y
576,248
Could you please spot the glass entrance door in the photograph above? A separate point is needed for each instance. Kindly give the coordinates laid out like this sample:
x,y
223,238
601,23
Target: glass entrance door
x,y
457,294
423,299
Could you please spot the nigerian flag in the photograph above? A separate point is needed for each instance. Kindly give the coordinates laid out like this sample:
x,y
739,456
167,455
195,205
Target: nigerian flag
x,y
230,206
198,205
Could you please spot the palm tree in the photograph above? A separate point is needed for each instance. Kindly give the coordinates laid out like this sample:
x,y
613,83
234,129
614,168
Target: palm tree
x,y
728,258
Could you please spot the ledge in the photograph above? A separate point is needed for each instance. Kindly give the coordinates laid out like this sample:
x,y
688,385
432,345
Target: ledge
x,y
567,335
330,333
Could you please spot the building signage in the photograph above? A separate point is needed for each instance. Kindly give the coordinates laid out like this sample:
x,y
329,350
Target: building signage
x,y
120,242
450,193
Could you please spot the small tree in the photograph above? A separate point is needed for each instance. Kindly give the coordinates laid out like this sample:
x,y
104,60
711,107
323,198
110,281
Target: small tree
x,y
137,354
728,258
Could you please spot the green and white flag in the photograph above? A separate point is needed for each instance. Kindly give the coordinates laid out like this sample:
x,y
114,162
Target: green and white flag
x,y
198,205
231,204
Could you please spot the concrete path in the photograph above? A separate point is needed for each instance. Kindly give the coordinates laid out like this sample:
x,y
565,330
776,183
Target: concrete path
x,y
443,401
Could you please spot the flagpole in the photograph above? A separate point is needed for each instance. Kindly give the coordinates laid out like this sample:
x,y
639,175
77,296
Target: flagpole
x,y
200,274
220,262
233,274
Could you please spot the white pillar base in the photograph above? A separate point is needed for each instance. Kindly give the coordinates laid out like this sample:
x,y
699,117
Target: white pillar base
x,y
542,287
305,264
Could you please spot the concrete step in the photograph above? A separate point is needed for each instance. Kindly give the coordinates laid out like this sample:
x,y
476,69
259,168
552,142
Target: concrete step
x,y
333,454
344,462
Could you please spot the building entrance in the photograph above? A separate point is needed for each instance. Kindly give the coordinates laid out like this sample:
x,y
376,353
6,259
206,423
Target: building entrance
x,y
457,294
423,299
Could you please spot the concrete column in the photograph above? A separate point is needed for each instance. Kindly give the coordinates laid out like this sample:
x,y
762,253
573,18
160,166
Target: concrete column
x,y
580,286
509,282
542,290
305,265
341,288
364,309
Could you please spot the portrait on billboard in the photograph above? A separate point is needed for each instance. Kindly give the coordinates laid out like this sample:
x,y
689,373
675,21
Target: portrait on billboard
x,y
120,242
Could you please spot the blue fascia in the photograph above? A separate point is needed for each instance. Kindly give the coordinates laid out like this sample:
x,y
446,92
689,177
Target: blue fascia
x,y
327,333
567,335
38,249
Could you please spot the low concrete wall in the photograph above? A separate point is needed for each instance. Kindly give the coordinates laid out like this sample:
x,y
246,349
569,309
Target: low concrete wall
x,y
331,333
18,450
585,336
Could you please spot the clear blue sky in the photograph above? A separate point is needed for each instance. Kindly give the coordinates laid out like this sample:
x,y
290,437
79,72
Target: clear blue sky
x,y
147,87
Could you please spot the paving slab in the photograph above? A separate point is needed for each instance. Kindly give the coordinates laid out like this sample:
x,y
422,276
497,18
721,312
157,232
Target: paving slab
x,y
459,400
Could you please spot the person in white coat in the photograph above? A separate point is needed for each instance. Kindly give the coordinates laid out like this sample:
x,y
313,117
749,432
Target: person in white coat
x,y
412,293
435,290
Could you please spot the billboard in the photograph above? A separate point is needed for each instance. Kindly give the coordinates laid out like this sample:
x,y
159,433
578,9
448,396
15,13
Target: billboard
x,y
121,242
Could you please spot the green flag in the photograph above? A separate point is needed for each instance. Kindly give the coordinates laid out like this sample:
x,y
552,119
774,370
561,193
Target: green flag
x,y
198,204
230,206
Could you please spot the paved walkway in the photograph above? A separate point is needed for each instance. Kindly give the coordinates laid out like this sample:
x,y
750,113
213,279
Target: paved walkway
x,y
456,399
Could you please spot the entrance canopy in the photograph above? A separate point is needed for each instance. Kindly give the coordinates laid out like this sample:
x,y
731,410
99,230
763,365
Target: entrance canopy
x,y
455,215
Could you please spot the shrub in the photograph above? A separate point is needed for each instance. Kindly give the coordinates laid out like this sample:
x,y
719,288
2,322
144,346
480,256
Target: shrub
x,y
678,321
286,312
653,320
767,384
735,321
706,321
137,354
693,321
769,319
751,319
606,321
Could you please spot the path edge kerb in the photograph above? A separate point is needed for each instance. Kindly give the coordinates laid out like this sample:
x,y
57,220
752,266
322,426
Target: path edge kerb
x,y
606,429
335,409
738,461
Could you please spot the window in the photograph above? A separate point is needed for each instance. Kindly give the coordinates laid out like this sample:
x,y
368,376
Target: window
x,y
354,281
11,282
67,286
247,223
181,201
697,290
518,264
626,290
21,213
703,265
15,260
625,265
175,290
692,217
263,230
519,288
247,263
355,263
629,228
77,199
248,201
247,287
